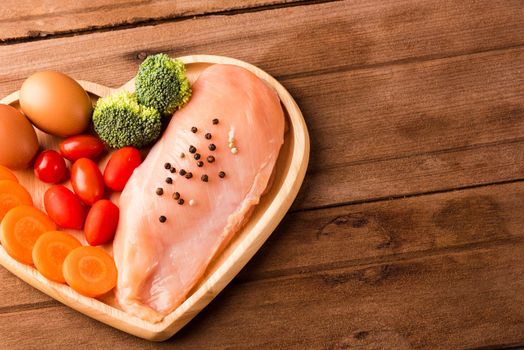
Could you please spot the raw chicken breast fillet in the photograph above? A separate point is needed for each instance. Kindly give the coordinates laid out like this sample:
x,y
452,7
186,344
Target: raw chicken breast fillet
x,y
159,263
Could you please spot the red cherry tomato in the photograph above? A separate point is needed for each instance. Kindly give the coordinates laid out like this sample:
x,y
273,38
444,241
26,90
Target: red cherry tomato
x,y
87,180
120,167
64,207
50,167
81,146
101,222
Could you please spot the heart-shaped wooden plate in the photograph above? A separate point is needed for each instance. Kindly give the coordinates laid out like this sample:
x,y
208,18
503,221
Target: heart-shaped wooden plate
x,y
289,174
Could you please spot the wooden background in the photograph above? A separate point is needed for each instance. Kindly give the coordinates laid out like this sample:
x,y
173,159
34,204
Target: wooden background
x,y
409,229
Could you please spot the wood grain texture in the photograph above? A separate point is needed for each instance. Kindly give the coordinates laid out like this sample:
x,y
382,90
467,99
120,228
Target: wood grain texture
x,y
314,38
411,128
412,77
438,271
25,19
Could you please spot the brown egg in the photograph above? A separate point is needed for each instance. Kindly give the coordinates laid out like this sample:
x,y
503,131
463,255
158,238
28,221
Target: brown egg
x,y
56,103
18,142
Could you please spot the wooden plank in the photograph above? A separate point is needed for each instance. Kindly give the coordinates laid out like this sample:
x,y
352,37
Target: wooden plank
x,y
433,172
353,235
15,294
460,299
413,128
25,19
435,251
324,37
410,109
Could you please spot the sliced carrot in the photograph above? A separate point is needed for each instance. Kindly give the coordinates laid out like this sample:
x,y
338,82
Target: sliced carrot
x,y
12,194
50,251
21,227
90,271
6,174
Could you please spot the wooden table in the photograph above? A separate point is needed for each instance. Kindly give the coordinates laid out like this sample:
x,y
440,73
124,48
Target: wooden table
x,y
409,229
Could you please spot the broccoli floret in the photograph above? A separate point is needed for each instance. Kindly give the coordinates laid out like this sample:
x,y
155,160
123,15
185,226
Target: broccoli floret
x,y
120,121
161,83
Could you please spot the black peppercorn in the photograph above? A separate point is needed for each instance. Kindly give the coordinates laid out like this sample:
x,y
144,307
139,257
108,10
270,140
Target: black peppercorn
x,y
194,129
204,178
169,180
162,219
180,201
182,172
208,136
176,195
173,170
192,149
160,191
215,121
200,164
189,175
212,147
210,159
222,174
167,166
197,156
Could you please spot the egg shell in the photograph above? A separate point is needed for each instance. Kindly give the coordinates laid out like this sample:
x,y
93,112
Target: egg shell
x,y
18,141
56,103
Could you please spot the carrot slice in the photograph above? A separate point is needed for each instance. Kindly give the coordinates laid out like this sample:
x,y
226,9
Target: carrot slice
x,y
21,227
12,194
50,251
90,271
6,174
